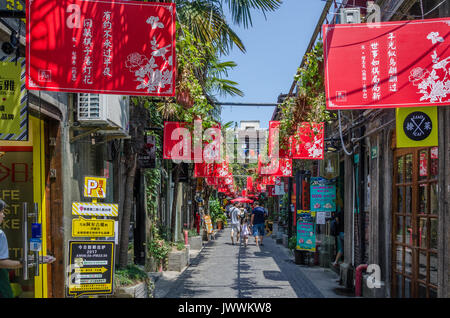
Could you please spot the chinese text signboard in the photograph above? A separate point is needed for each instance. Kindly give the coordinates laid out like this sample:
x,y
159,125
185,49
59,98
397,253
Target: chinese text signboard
x,y
92,228
416,127
95,209
147,155
387,65
323,195
108,47
91,268
306,231
13,100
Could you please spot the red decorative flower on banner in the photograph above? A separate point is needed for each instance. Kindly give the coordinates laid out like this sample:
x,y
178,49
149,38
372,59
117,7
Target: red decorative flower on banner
x,y
309,141
276,167
221,170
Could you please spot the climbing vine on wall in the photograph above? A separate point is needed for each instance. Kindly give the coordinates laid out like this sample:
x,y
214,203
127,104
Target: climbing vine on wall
x,y
309,102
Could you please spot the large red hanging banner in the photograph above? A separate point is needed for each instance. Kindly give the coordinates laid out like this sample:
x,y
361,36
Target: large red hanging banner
x,y
250,184
203,170
308,142
281,167
177,141
107,47
274,142
387,64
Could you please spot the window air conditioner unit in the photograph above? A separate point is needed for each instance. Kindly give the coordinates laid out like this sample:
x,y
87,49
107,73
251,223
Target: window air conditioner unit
x,y
101,110
350,15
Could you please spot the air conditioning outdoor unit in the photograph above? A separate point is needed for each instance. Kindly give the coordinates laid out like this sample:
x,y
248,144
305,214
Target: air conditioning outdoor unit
x,y
100,110
350,15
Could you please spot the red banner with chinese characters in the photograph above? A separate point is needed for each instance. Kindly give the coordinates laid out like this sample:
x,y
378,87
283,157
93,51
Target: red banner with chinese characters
x,y
177,141
221,170
387,64
250,184
203,170
274,142
309,141
281,167
271,190
212,181
107,47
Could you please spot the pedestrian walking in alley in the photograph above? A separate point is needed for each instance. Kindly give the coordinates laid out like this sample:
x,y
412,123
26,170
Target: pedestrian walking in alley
x,y
235,222
257,222
5,262
245,230
337,230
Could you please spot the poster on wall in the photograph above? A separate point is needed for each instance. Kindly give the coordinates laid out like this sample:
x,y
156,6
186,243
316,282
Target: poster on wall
x,y
416,127
387,64
106,47
91,265
306,237
323,195
13,99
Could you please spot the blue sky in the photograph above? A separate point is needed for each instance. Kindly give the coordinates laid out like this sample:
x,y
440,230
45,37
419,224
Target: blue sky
x,y
275,48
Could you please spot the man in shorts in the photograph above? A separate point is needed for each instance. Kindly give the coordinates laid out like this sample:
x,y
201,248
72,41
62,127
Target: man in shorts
x,y
235,222
258,222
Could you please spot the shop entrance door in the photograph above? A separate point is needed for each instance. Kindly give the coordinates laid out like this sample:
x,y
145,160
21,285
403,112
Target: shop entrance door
x,y
415,222
21,187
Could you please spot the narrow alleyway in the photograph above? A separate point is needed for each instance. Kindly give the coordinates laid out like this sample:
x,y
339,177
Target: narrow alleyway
x,y
222,270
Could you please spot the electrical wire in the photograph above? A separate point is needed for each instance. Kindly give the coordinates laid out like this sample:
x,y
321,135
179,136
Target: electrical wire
x,y
340,134
388,11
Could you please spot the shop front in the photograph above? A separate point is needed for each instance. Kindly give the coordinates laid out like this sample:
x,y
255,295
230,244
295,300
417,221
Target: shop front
x,y
22,187
415,222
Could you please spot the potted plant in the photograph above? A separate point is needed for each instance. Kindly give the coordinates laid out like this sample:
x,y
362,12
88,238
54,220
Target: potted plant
x,y
215,212
159,250
132,282
221,221
194,239
178,256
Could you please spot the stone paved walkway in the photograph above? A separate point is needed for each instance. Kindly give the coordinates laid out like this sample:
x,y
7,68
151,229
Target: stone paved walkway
x,y
222,270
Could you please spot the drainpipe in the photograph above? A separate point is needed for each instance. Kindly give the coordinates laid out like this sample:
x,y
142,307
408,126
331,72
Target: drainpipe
x,y
358,279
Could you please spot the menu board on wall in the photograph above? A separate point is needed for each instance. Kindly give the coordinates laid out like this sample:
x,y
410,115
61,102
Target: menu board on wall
x,y
323,195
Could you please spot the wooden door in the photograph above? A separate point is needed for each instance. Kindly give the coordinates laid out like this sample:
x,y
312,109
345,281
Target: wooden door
x,y
414,223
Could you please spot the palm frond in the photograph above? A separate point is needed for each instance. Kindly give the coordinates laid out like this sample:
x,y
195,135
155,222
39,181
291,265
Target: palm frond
x,y
241,9
207,22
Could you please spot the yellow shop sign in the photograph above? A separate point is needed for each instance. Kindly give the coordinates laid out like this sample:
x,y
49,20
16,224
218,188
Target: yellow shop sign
x,y
92,228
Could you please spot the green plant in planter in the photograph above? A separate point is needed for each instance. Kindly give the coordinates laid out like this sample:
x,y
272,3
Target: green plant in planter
x,y
159,250
179,245
192,233
216,212
131,275
222,217
292,243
